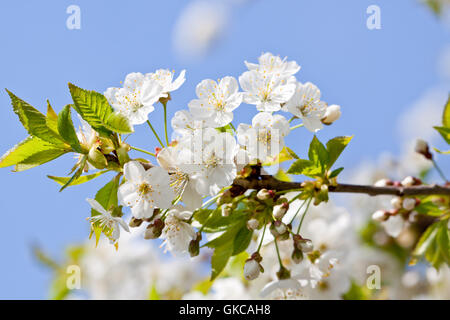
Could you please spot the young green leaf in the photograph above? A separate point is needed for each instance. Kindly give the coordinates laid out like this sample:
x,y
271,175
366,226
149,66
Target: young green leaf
x,y
335,147
242,240
220,259
336,172
34,121
95,110
305,167
318,154
67,130
31,152
80,180
51,118
107,196
445,133
446,115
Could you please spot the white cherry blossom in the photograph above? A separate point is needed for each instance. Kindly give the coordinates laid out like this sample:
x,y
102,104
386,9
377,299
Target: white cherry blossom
x,y
164,78
271,64
136,98
106,221
144,190
265,137
267,91
216,101
306,105
177,232
208,157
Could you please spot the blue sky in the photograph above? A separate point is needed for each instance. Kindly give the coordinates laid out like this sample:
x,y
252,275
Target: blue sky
x,y
374,75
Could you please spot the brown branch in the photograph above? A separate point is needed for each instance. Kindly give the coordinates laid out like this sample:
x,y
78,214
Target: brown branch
x,y
269,182
258,182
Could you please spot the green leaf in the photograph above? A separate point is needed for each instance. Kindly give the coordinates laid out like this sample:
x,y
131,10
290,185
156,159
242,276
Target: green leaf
x,y
305,167
426,240
446,115
107,196
429,208
242,240
336,172
51,118
67,130
34,121
445,133
95,110
220,259
286,154
335,147
80,180
318,154
30,153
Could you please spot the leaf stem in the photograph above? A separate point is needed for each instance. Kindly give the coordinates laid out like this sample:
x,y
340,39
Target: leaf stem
x,y
143,151
156,135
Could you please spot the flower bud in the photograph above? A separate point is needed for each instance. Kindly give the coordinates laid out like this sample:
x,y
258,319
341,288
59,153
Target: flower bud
x,y
154,230
194,246
135,222
280,210
383,183
264,194
423,149
283,273
227,209
306,245
396,202
97,159
380,215
106,145
409,181
252,224
409,204
279,230
122,153
251,269
332,114
297,256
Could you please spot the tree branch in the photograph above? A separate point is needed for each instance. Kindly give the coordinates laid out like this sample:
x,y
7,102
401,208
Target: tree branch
x,y
269,182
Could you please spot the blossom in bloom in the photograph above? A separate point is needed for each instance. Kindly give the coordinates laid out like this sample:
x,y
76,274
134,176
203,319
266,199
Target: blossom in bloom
x,y
306,105
216,101
332,114
266,91
184,124
265,137
182,182
144,190
177,232
271,64
208,157
164,78
108,223
136,98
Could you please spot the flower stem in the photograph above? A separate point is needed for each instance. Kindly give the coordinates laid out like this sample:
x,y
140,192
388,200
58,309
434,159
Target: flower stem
x,y
303,217
297,126
156,135
143,151
165,121
300,208
441,173
292,119
278,253
232,127
262,238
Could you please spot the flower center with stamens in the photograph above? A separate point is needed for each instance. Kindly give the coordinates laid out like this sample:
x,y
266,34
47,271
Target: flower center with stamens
x,y
145,189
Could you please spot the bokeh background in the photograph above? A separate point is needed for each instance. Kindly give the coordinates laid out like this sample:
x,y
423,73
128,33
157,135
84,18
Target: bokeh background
x,y
391,84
